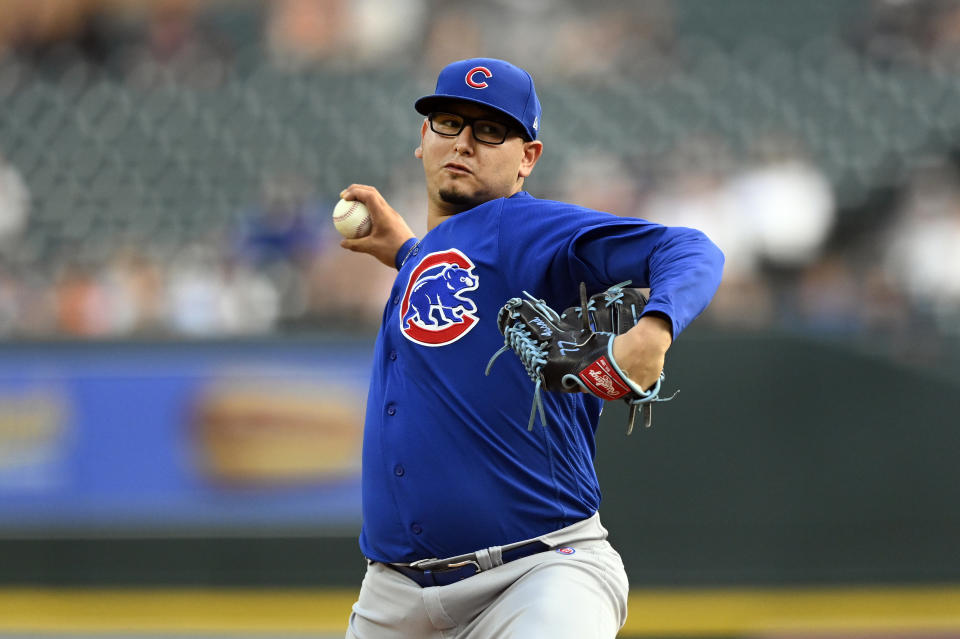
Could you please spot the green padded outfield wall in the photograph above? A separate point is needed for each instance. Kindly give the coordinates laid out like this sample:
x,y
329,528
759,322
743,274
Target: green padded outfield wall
x,y
788,460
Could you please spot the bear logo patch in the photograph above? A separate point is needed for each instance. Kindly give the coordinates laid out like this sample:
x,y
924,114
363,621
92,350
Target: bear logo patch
x,y
435,310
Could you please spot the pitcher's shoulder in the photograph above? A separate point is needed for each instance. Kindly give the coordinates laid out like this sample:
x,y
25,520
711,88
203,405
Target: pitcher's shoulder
x,y
523,201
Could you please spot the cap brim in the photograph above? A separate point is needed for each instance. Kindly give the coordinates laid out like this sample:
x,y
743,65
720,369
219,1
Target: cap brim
x,y
426,104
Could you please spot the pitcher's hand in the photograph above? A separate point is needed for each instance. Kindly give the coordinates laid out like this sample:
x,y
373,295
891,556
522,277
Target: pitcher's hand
x,y
389,230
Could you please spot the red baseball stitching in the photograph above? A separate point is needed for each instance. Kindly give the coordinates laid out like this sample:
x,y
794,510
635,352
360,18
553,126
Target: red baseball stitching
x,y
364,227
347,213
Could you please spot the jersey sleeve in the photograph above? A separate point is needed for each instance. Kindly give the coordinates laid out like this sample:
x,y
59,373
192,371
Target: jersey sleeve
x,y
403,252
553,247
681,266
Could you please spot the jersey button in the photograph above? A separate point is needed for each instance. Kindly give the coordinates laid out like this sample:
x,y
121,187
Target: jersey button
x,y
416,529
393,355
391,410
396,299
398,470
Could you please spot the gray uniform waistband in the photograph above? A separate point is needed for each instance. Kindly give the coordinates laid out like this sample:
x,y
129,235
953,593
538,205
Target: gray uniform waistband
x,y
486,558
586,530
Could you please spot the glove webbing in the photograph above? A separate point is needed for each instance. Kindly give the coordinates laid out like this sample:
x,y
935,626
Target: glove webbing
x,y
611,297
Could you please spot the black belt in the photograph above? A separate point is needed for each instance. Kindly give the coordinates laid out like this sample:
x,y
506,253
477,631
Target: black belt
x,y
441,573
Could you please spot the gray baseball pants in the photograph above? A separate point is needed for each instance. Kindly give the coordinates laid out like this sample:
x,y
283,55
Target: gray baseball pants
x,y
549,595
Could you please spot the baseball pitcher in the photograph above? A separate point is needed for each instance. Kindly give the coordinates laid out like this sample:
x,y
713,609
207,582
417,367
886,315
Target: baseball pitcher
x,y
509,325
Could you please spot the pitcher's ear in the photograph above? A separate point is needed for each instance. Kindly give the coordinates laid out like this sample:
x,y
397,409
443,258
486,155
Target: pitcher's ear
x,y
418,152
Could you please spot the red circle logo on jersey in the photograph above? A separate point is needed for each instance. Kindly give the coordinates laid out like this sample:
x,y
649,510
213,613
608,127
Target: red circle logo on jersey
x,y
436,310
473,72
566,550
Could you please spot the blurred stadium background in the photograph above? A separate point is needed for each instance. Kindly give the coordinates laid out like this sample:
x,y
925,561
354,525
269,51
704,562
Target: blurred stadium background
x,y
184,358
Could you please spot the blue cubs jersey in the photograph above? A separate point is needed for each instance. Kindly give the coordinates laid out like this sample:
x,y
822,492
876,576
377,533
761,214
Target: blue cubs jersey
x,y
449,466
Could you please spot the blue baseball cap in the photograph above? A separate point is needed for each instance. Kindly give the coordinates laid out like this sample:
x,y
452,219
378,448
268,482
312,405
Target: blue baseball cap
x,y
490,82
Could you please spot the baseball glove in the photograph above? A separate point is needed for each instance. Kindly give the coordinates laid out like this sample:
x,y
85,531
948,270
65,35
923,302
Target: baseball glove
x,y
615,310
573,352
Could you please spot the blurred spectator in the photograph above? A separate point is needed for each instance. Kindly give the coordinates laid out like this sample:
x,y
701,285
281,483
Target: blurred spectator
x,y
36,304
608,41
829,298
440,48
26,24
702,201
193,293
787,207
908,31
923,249
249,304
601,181
9,302
696,194
282,238
389,31
81,304
14,204
284,226
177,50
347,290
108,160
786,202
301,32
134,289
946,38
777,212
884,307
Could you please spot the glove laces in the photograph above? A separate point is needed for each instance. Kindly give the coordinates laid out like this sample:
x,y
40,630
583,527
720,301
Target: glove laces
x,y
612,297
532,354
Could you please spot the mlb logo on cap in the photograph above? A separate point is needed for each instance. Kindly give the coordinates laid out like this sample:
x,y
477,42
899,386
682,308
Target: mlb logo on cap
x,y
489,82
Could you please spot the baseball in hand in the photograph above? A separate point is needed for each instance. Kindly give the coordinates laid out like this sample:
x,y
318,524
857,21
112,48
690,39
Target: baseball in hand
x,y
352,219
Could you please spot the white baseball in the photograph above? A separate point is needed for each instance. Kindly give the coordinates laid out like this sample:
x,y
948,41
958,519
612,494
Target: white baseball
x,y
352,219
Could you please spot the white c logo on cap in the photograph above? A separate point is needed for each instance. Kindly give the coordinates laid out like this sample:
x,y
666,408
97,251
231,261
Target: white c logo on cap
x,y
475,70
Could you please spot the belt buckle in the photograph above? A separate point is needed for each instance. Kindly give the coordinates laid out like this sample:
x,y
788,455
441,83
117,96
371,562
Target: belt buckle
x,y
434,565
417,565
461,564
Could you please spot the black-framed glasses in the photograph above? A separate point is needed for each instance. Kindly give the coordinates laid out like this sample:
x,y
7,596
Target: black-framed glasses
x,y
486,131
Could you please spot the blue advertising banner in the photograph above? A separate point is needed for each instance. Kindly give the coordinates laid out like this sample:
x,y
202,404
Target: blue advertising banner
x,y
181,438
